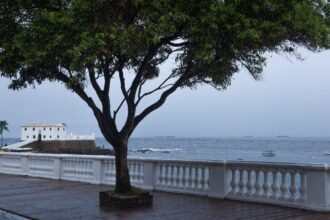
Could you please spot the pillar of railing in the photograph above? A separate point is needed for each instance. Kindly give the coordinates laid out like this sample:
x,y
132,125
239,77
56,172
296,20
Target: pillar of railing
x,y
24,165
318,189
57,168
218,180
97,171
149,175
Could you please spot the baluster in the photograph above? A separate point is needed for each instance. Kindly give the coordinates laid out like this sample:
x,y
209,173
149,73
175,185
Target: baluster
x,y
207,178
90,168
178,176
131,171
190,171
168,175
203,177
265,185
283,187
66,165
88,171
133,168
71,167
196,178
136,171
241,181
172,175
293,187
184,176
108,169
257,185
302,188
113,170
233,183
199,177
77,169
85,167
275,184
141,168
162,174
80,170
249,185
81,164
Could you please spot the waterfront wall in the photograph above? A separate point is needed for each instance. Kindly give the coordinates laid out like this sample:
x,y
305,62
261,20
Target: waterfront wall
x,y
293,185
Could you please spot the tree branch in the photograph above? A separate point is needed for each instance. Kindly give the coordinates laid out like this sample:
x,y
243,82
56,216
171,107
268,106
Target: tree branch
x,y
94,83
160,87
151,53
107,127
162,98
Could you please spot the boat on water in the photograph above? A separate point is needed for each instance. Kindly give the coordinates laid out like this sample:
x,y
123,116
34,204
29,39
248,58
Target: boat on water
x,y
268,153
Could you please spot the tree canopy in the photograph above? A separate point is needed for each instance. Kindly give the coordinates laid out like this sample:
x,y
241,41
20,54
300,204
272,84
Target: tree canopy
x,y
96,42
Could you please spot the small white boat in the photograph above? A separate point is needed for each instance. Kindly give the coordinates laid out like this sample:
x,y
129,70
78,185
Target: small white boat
x,y
268,153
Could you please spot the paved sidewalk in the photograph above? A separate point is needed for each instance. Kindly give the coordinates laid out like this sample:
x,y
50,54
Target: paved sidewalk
x,y
57,199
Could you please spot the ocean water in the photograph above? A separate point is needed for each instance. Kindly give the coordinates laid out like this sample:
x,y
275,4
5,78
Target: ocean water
x,y
286,149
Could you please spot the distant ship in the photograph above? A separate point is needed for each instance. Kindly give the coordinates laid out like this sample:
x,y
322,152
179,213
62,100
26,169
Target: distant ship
x,y
268,153
282,136
165,136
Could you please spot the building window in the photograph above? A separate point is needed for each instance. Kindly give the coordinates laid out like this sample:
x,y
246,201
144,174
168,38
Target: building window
x,y
25,129
34,137
44,129
50,129
58,136
58,129
50,137
27,137
33,129
44,136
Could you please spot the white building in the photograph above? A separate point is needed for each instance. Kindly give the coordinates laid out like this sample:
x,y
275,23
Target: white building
x,y
43,132
50,132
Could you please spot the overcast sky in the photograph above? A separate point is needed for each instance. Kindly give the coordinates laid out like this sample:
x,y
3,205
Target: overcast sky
x,y
292,98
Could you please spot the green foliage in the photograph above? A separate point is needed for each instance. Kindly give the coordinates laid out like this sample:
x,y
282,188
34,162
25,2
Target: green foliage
x,y
38,38
78,42
3,126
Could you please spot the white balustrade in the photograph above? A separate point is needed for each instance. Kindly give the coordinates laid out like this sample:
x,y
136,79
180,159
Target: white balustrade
x,y
40,166
182,177
294,185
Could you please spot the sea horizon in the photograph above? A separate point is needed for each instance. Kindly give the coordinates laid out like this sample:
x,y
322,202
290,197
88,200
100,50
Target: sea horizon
x,y
285,149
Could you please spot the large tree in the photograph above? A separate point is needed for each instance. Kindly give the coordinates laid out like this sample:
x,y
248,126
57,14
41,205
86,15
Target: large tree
x,y
96,43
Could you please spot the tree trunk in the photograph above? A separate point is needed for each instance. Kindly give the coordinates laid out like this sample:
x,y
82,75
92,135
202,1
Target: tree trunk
x,y
123,183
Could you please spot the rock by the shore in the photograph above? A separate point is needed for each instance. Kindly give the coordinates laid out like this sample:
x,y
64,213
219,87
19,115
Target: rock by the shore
x,y
68,147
